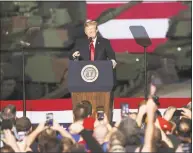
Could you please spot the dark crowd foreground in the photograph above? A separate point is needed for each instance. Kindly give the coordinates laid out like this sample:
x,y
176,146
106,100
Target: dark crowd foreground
x,y
144,131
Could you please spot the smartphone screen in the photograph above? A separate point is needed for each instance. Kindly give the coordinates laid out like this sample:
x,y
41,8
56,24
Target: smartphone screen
x,y
100,113
124,109
49,119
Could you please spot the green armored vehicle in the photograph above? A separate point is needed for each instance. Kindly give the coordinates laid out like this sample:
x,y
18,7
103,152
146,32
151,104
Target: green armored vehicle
x,y
51,29
179,44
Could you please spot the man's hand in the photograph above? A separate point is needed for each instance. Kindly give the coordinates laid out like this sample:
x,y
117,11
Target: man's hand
x,y
169,113
186,112
76,54
10,140
41,127
56,126
114,63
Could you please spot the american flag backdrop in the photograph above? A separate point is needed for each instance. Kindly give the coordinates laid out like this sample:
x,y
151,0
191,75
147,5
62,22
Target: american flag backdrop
x,y
154,16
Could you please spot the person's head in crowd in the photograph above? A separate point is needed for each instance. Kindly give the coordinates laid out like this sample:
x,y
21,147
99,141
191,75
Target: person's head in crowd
x,y
46,134
100,132
88,105
131,131
9,112
117,142
80,112
7,124
184,129
23,124
6,148
157,139
78,148
50,145
67,144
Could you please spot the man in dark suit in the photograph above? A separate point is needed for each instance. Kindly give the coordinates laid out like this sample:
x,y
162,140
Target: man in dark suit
x,y
93,47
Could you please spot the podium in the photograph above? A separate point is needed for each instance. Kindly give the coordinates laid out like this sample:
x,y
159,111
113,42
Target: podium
x,y
92,81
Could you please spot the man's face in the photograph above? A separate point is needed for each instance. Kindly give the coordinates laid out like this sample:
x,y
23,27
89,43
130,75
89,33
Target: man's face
x,y
91,31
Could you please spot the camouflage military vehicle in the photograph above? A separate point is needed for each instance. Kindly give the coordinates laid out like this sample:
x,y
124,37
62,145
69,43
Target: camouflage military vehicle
x,y
51,29
179,44
172,58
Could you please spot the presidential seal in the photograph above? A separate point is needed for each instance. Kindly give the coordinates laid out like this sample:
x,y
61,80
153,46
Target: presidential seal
x,y
89,73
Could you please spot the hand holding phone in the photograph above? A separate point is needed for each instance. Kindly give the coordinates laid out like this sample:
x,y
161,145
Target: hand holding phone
x,y
178,113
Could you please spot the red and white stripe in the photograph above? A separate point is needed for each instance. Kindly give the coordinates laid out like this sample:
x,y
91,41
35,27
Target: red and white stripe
x,y
154,16
62,108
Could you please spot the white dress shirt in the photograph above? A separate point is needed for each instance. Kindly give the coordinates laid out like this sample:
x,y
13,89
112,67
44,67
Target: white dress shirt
x,y
114,63
94,41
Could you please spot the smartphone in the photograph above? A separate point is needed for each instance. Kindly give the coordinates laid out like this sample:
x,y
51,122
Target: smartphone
x,y
49,119
124,110
178,113
156,100
100,113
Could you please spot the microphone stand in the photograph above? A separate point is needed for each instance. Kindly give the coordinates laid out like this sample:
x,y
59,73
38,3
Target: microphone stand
x,y
23,44
23,81
145,73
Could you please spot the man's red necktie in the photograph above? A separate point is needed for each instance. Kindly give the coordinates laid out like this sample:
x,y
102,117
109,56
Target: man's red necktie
x,y
92,51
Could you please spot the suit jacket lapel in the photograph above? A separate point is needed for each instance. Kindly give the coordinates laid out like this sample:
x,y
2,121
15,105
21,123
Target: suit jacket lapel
x,y
87,48
97,47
